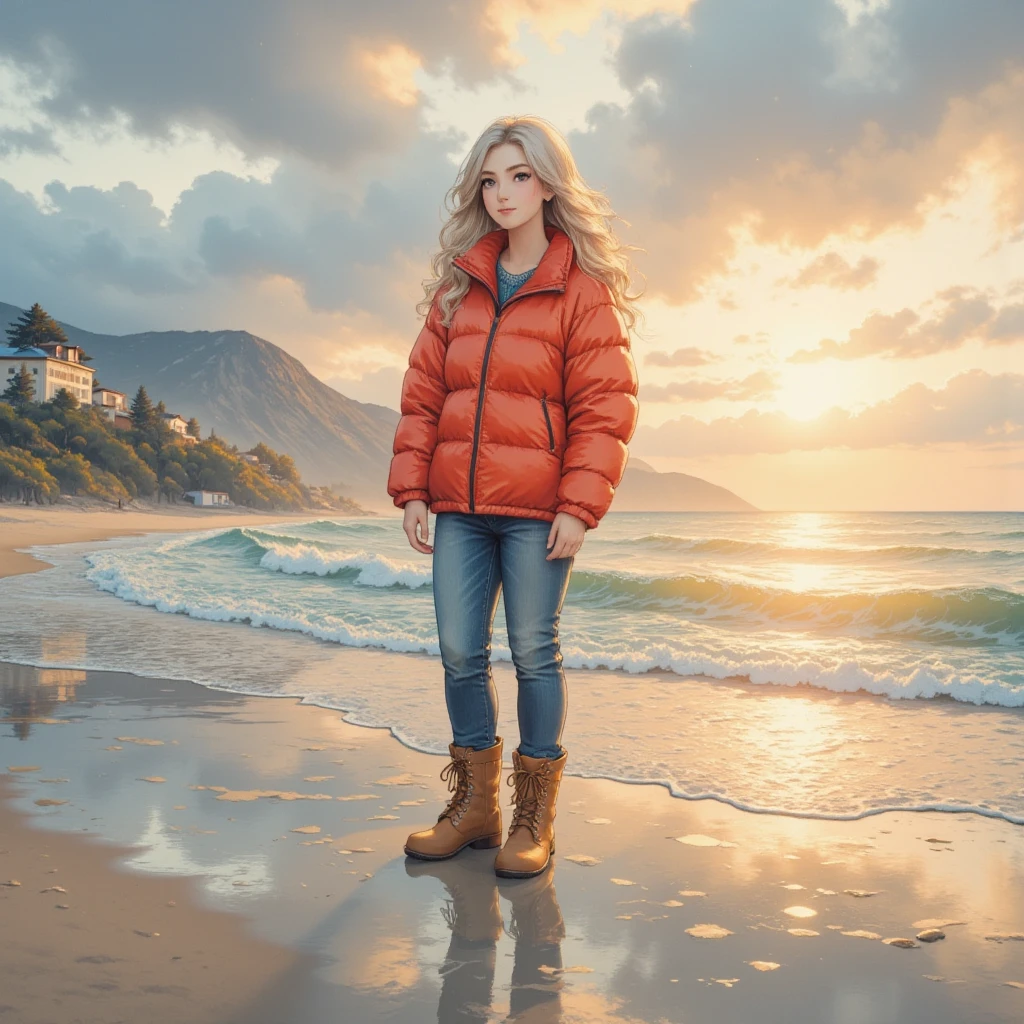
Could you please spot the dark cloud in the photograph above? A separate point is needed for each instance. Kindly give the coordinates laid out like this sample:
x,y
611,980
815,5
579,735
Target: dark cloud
x,y
975,407
271,77
964,314
38,139
350,245
760,384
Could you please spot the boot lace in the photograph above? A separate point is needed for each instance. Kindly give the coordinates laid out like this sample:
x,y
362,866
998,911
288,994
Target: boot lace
x,y
458,774
530,790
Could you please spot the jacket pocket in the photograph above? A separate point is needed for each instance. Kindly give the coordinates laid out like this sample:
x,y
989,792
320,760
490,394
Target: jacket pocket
x,y
547,420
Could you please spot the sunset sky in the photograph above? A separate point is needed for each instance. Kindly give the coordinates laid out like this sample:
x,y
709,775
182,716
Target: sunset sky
x,y
829,196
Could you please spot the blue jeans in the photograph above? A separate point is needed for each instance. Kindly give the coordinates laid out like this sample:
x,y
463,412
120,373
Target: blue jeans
x,y
475,557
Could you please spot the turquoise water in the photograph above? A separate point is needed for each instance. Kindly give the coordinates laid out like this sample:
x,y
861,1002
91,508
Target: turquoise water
x,y
906,605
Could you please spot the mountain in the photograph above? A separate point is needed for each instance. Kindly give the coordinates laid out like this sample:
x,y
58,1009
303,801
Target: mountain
x,y
644,489
249,390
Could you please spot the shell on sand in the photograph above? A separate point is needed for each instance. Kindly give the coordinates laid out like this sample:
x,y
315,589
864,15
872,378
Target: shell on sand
x,y
764,965
696,839
931,935
800,912
901,943
708,931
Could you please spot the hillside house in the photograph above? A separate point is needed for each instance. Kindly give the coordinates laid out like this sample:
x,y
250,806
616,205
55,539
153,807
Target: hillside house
x,y
114,405
53,366
179,425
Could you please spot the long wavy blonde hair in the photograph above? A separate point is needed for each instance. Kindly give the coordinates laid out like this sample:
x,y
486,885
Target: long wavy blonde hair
x,y
583,213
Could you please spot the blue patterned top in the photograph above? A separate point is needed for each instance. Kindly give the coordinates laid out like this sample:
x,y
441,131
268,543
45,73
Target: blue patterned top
x,y
508,283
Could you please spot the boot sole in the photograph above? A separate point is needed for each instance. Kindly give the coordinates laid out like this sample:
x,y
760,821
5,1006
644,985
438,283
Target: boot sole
x,y
483,843
509,873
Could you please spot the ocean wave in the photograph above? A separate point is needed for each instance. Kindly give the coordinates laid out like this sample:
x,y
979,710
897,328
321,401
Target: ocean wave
x,y
825,553
837,675
301,556
973,613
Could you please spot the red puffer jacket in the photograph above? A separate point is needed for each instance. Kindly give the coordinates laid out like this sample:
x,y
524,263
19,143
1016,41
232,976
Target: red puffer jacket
x,y
523,410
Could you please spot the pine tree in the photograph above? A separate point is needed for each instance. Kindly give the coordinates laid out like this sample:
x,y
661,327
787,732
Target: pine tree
x,y
143,414
35,327
63,399
21,389
193,428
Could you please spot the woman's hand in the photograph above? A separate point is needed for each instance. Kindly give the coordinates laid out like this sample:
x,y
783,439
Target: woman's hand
x,y
566,536
416,516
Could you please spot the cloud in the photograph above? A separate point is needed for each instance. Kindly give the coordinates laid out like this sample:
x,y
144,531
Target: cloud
x,y
833,270
38,139
330,81
964,314
357,244
975,407
689,356
758,385
790,123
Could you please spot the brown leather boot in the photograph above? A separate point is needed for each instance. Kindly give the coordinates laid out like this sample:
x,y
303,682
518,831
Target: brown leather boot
x,y
473,815
531,836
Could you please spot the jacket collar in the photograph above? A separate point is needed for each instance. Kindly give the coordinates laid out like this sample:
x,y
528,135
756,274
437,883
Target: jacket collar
x,y
552,273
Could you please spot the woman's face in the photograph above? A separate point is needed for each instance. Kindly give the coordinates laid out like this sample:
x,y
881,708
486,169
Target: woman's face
x,y
512,192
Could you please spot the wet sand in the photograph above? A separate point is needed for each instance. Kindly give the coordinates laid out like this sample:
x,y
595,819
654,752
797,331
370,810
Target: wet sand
x,y
277,829
81,519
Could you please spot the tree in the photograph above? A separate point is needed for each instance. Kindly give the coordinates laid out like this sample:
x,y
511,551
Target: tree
x,y
21,389
35,327
143,413
64,400
193,428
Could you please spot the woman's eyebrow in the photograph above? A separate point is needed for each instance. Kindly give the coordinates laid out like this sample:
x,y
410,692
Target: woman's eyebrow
x,y
512,168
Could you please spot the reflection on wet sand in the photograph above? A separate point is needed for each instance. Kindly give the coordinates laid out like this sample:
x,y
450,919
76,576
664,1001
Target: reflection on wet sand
x,y
670,910
31,696
472,910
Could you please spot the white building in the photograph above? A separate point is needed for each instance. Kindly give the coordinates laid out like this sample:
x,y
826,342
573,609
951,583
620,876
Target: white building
x,y
208,497
53,366
114,404
179,425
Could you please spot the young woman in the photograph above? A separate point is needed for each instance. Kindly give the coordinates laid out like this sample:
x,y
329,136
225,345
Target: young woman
x,y
518,403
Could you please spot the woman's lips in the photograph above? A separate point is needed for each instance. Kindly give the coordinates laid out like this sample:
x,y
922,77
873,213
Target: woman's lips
x,y
508,209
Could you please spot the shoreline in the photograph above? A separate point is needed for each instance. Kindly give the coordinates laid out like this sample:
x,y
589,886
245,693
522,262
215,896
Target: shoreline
x,y
23,526
276,829
771,716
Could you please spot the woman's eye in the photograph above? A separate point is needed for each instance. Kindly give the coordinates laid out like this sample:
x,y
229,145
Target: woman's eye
x,y
525,174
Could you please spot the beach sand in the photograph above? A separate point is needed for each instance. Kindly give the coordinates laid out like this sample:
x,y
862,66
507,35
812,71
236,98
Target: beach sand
x,y
276,829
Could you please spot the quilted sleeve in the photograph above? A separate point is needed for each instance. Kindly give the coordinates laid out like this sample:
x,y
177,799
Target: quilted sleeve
x,y
423,394
601,406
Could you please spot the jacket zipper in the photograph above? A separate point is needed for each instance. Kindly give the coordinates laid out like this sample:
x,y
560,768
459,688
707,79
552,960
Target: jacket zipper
x,y
547,419
498,310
